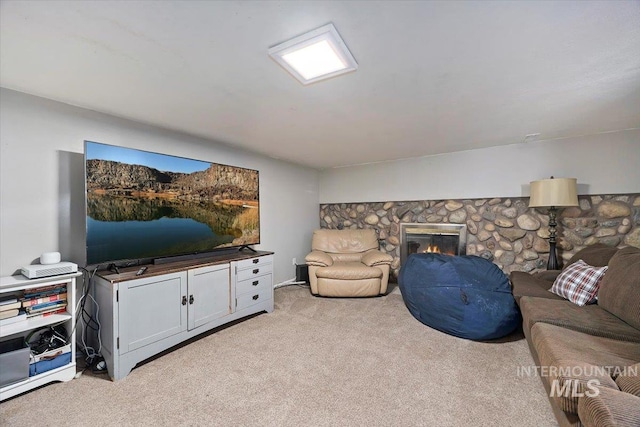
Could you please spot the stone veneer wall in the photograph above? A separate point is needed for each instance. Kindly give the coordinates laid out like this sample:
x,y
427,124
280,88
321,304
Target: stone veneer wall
x,y
503,230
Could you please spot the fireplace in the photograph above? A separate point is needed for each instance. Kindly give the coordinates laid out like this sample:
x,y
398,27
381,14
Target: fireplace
x,y
448,239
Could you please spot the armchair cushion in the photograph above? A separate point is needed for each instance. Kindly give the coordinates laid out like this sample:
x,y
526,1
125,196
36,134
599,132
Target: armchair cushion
x,y
375,257
319,258
344,241
350,257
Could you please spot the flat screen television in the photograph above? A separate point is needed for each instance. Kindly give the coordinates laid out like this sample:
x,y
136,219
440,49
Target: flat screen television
x,y
142,205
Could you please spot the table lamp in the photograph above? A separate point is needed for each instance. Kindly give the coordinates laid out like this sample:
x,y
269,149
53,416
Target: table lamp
x,y
553,193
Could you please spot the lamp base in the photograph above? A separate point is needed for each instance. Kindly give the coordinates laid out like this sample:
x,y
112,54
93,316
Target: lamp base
x,y
552,264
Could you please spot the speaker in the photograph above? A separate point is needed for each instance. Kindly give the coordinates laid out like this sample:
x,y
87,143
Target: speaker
x,y
302,273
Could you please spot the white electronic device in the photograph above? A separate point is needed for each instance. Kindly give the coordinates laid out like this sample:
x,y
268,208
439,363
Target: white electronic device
x,y
50,258
37,271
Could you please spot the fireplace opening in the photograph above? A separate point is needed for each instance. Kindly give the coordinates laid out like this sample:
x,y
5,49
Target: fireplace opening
x,y
450,239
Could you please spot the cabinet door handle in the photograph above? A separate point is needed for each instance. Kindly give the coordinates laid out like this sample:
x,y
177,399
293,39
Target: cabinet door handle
x,y
256,271
255,297
184,300
255,261
190,299
255,282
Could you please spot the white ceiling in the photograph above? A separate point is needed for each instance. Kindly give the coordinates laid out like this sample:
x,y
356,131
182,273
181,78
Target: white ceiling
x,y
433,77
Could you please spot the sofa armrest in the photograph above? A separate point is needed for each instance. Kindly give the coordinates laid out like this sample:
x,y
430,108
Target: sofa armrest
x,y
376,257
606,407
547,275
319,259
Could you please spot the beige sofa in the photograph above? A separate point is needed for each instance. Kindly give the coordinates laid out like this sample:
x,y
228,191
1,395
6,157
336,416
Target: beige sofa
x,y
593,347
347,263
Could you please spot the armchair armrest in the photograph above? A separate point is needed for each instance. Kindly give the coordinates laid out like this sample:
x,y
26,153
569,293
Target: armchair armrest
x,y
376,257
319,259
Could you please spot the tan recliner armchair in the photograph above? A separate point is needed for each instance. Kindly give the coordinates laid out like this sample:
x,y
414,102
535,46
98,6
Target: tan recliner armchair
x,y
347,263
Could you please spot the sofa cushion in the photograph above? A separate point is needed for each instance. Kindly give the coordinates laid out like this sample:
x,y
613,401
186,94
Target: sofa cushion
x,y
570,358
597,255
620,288
525,284
590,319
608,408
629,380
349,271
579,282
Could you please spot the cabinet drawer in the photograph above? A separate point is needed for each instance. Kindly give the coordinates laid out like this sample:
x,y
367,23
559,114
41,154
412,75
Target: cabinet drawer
x,y
254,272
247,300
253,285
254,262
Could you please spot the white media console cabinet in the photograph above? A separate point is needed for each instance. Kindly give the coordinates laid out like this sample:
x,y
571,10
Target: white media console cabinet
x,y
141,316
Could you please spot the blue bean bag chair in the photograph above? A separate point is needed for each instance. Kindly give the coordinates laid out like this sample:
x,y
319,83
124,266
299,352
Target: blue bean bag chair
x,y
465,296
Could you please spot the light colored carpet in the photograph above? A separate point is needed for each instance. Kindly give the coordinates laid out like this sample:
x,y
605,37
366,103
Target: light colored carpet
x,y
312,362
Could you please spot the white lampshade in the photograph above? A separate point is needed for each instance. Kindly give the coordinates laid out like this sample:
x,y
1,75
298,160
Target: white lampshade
x,y
554,192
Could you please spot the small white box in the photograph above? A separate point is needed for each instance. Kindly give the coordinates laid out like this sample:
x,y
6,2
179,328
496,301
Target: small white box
x,y
38,270
49,354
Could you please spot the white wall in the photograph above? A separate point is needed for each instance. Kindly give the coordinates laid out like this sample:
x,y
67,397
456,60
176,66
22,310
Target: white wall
x,y
603,164
42,181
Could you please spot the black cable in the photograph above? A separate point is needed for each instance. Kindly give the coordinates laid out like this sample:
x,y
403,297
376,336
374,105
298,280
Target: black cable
x,y
89,321
75,325
84,293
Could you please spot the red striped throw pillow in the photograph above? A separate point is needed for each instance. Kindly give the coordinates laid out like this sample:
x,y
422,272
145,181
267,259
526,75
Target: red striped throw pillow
x,y
579,283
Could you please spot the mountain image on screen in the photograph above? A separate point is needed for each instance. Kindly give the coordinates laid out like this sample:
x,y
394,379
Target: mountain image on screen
x,y
150,205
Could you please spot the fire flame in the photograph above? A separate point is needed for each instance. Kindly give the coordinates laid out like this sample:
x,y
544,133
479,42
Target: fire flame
x,y
432,249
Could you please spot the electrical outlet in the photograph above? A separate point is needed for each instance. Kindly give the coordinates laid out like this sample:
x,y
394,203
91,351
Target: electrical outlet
x,y
293,261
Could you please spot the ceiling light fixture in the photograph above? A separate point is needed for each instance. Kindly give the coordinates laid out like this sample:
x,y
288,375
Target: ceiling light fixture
x,y
317,55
